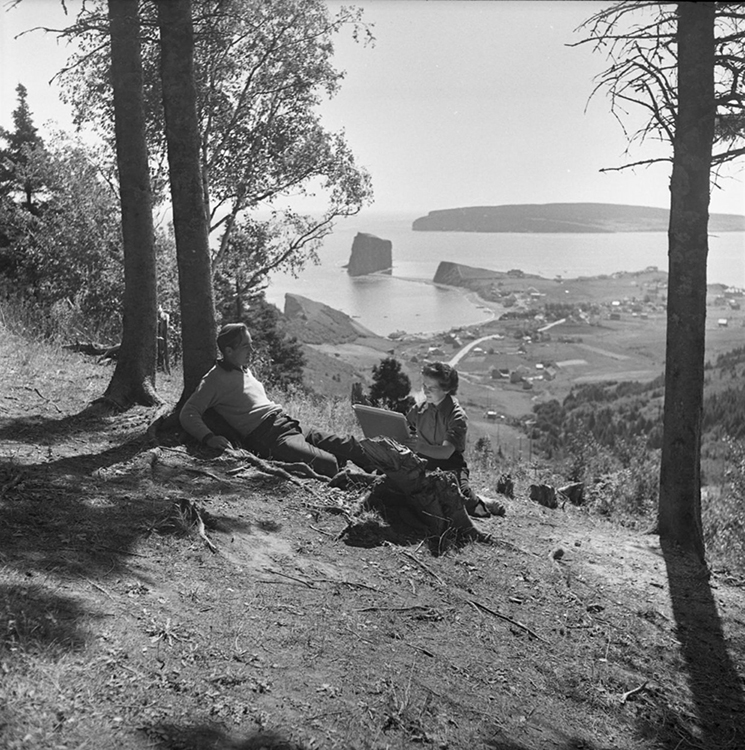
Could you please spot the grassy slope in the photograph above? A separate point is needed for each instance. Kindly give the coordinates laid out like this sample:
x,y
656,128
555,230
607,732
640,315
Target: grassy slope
x,y
120,629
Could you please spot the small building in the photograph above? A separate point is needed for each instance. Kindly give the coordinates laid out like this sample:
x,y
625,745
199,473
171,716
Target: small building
x,y
723,323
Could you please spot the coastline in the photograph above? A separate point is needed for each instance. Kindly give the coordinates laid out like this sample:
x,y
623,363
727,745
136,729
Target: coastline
x,y
383,303
491,310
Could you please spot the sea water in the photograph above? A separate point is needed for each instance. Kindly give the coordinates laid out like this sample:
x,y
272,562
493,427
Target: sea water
x,y
408,300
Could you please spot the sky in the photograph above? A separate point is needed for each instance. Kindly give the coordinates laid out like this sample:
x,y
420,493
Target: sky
x,y
457,103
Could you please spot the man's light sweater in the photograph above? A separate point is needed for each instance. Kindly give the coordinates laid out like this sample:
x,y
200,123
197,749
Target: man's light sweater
x,y
236,395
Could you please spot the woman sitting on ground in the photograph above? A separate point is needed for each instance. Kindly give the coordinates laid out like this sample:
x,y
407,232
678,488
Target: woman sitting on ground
x,y
440,425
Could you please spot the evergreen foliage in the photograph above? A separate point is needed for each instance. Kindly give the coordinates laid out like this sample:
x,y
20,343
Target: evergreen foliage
x,y
63,259
22,141
391,386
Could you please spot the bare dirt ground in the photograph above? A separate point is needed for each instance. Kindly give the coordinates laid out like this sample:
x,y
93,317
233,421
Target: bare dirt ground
x,y
121,628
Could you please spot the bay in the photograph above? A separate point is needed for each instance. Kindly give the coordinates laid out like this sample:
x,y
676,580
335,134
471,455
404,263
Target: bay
x,y
408,300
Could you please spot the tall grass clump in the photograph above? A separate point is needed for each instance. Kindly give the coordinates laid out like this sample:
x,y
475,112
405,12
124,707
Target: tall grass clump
x,y
327,413
723,514
62,322
488,466
621,483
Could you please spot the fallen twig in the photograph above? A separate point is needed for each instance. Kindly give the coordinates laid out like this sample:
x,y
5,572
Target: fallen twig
x,y
310,582
188,508
478,605
418,562
100,588
321,531
206,473
354,584
287,575
48,400
393,609
631,693
203,534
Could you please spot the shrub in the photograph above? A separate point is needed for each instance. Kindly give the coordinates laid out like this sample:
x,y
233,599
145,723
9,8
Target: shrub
x,y
620,483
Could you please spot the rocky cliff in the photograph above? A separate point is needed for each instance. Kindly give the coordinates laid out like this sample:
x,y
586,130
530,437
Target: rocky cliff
x,y
370,254
456,274
315,323
562,217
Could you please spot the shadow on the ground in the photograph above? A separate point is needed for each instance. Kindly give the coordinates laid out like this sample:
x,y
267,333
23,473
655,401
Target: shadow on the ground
x,y
212,737
37,620
35,428
56,516
715,685
62,516
574,743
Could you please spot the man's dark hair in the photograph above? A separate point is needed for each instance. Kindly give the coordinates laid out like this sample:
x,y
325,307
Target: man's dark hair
x,y
230,335
444,374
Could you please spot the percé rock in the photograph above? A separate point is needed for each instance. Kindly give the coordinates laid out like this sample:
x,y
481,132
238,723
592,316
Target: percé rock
x,y
370,254
562,218
315,323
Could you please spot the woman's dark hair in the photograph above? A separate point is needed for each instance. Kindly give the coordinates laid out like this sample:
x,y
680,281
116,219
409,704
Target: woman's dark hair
x,y
230,335
444,374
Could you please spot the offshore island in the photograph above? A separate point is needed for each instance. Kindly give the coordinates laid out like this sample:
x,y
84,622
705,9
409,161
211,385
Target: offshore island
x,y
573,218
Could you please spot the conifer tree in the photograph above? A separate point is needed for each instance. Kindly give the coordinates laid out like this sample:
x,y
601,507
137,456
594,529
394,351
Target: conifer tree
x,y
391,386
14,159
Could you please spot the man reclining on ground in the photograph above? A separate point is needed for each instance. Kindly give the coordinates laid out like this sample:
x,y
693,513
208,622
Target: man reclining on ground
x,y
232,391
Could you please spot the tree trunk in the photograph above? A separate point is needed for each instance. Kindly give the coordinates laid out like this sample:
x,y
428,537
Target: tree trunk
x,y
679,518
189,213
133,380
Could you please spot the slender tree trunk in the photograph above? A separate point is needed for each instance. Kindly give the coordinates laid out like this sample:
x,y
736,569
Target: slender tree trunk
x,y
680,472
190,221
134,376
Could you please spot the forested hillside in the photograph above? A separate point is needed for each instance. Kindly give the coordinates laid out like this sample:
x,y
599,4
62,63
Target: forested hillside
x,y
614,413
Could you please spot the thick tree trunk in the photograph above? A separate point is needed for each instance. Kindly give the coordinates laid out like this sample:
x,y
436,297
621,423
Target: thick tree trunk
x,y
189,214
134,377
680,472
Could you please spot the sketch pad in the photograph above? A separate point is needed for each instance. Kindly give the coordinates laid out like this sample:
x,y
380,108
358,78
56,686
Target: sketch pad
x,y
382,422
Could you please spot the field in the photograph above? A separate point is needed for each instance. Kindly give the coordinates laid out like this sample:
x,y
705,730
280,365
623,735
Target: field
x,y
121,628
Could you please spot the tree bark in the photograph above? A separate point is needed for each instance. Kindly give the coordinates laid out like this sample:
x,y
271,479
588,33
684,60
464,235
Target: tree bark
x,y
133,380
679,519
189,212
